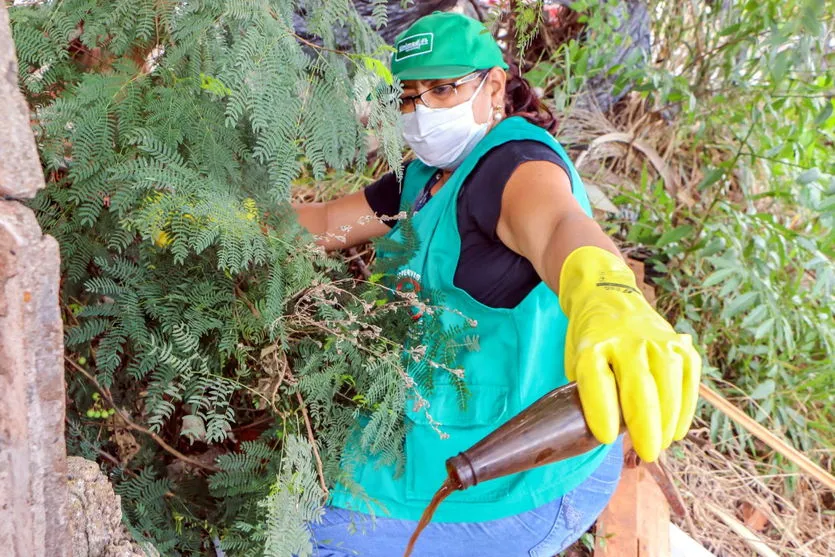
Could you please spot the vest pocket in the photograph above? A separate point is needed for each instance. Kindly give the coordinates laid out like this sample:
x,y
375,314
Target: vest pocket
x,y
487,407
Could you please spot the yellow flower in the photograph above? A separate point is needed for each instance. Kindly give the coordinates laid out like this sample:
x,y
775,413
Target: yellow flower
x,y
153,197
251,209
161,239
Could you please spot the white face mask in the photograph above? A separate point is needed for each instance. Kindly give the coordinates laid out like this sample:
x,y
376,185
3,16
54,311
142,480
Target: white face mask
x,y
443,137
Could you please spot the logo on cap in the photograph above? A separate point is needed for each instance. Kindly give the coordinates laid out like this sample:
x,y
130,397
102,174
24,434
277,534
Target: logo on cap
x,y
415,45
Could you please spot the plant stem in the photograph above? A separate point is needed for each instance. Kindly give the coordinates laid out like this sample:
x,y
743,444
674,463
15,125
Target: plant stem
x,y
312,440
136,427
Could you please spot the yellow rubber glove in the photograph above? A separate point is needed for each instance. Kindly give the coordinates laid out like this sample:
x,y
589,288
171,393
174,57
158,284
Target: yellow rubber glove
x,y
618,346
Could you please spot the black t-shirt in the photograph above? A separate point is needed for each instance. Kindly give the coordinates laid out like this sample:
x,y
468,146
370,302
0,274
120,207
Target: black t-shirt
x,y
487,269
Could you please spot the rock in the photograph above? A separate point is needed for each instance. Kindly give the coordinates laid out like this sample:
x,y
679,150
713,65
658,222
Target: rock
x,y
95,514
20,170
32,451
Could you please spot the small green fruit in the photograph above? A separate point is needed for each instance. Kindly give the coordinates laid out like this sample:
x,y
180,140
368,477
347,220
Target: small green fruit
x,y
111,411
91,413
82,360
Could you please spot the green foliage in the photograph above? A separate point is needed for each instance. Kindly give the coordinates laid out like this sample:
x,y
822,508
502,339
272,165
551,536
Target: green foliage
x,y
246,478
527,17
759,272
149,516
171,134
296,487
758,295
747,265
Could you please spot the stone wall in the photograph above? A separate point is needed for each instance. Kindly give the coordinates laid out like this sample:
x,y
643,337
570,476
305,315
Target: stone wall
x,y
95,515
33,463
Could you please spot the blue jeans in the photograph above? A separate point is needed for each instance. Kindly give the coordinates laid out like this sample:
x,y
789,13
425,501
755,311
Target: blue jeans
x,y
542,532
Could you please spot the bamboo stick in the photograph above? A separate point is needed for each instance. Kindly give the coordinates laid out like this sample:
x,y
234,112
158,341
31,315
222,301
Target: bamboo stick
x,y
770,439
750,538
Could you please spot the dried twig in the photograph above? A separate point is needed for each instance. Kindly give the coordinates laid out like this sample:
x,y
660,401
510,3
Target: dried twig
x,y
113,460
651,154
312,440
136,427
751,539
249,304
708,477
668,488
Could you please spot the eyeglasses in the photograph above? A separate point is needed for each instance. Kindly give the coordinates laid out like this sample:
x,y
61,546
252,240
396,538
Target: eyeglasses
x,y
439,96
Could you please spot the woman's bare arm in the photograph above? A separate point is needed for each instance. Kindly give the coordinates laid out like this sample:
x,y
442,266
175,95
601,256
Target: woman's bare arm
x,y
541,220
341,223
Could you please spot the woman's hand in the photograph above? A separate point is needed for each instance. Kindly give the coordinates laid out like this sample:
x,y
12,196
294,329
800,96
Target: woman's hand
x,y
619,348
341,223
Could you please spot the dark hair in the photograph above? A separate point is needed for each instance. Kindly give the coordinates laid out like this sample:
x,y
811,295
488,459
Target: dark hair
x,y
521,100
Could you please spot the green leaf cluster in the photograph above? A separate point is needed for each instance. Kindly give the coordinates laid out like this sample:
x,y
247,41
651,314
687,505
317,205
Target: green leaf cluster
x,y
743,260
171,135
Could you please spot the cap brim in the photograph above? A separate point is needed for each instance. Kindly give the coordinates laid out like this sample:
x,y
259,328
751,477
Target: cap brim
x,y
435,72
442,72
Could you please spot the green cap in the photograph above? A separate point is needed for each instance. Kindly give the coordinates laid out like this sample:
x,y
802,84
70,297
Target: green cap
x,y
444,45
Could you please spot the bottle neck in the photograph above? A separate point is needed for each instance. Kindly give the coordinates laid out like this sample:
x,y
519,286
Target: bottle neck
x,y
461,472
550,430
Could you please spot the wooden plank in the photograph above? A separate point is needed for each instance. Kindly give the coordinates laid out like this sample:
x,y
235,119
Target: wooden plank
x,y
617,527
636,521
653,517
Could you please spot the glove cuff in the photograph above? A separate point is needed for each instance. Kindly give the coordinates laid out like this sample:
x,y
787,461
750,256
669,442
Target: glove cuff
x,y
589,268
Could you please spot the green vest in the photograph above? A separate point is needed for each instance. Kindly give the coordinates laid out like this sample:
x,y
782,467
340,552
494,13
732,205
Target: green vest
x,y
520,359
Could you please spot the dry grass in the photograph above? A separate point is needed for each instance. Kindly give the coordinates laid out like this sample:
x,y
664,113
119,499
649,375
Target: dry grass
x,y
612,150
797,523
620,144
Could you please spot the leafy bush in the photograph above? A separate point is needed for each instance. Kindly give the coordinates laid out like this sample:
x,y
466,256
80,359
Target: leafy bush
x,y
737,224
237,354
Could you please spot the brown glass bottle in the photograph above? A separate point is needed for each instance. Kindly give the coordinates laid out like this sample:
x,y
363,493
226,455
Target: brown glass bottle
x,y
551,429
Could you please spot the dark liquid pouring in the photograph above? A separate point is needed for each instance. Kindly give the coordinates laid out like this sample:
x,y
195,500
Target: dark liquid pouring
x,y
549,430
446,488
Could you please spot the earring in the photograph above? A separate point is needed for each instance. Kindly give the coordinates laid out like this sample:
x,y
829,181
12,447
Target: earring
x,y
497,115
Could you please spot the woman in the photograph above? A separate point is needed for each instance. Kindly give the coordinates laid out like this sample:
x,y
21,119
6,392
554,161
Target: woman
x,y
504,226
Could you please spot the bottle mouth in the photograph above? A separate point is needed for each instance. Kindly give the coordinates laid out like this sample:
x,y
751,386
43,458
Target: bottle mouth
x,y
461,472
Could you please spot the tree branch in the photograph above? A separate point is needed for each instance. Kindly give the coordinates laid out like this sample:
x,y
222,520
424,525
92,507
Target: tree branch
x,y
136,427
113,460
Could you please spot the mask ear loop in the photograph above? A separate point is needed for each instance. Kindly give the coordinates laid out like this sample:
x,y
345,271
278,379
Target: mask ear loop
x,y
478,89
